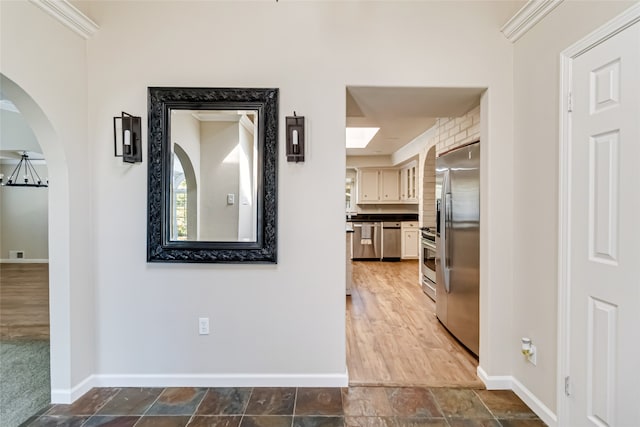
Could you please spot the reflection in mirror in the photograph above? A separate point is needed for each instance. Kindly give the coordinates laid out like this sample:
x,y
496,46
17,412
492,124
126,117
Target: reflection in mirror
x,y
212,193
214,174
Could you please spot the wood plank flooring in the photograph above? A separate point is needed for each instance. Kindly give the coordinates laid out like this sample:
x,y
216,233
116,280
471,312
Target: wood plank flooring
x,y
393,335
24,301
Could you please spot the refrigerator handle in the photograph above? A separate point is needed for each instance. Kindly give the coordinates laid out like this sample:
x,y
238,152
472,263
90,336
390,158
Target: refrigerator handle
x,y
445,208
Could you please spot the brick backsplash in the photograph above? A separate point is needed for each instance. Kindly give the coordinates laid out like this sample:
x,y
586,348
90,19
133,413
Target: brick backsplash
x,y
449,133
452,132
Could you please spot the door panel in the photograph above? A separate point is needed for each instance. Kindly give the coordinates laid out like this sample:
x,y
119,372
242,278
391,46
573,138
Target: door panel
x,y
604,233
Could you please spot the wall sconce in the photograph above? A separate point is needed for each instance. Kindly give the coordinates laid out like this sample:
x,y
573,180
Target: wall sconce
x,y
295,138
130,139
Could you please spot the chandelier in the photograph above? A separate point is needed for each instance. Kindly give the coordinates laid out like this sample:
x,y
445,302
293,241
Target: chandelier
x,y
24,175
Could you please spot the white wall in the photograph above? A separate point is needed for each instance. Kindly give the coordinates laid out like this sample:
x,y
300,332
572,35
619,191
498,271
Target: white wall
x,y
220,149
536,151
247,212
43,66
24,217
284,319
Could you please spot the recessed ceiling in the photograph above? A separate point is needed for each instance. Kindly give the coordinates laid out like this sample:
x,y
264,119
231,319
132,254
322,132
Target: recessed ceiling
x,y
402,113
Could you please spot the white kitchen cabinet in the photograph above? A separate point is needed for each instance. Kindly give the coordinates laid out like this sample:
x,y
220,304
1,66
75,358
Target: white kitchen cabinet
x,y
378,185
410,240
368,186
409,183
390,185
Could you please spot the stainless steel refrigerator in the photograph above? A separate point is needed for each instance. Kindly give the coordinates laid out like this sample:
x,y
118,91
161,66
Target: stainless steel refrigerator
x,y
458,243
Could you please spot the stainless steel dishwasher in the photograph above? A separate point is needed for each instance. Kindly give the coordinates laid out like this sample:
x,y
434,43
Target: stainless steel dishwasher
x,y
366,243
391,241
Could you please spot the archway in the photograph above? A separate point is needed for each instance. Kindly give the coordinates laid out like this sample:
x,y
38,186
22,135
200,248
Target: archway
x,y
191,192
58,230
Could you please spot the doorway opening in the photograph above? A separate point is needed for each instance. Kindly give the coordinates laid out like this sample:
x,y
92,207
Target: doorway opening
x,y
57,235
393,335
24,271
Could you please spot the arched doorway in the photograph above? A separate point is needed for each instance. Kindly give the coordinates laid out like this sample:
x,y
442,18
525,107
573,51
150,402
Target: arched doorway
x,y
24,280
58,233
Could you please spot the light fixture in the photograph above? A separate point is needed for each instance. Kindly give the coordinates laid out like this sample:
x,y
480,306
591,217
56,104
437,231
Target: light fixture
x,y
360,137
295,138
24,175
130,139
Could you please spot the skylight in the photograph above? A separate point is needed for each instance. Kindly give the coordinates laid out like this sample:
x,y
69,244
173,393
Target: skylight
x,y
360,137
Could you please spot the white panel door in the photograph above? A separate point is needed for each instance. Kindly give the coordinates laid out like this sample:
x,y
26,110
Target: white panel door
x,y
604,234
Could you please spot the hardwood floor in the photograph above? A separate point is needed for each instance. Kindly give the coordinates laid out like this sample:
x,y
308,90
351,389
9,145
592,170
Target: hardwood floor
x,y
24,301
393,335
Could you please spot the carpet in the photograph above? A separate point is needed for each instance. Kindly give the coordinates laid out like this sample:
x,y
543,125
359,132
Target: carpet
x,y
24,380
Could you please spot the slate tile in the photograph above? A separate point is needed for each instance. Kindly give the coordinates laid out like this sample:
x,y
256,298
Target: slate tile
x,y
215,421
413,402
318,421
177,401
319,401
522,422
111,421
163,421
131,401
224,401
477,422
460,403
271,401
362,421
59,421
420,422
266,421
366,401
505,404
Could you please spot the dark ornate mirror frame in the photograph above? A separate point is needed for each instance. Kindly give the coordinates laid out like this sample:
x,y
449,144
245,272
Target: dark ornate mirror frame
x,y
160,248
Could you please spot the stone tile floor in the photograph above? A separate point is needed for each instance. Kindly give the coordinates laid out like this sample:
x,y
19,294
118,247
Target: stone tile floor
x,y
291,407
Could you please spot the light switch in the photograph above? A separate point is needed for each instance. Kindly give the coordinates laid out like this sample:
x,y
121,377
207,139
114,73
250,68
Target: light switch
x,y
231,198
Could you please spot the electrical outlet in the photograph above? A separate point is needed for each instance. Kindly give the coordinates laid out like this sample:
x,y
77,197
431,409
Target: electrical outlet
x,y
203,325
529,350
532,356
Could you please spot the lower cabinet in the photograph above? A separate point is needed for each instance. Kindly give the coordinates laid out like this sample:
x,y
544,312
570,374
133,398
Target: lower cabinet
x,y
410,240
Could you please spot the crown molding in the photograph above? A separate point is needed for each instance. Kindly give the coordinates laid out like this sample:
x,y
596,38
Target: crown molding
x,y
68,15
528,16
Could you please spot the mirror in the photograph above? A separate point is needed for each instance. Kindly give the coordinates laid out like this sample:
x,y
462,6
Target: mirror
x,y
212,175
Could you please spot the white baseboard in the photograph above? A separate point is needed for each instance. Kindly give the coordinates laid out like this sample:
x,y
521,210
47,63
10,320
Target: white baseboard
x,y
23,261
541,410
495,382
200,380
508,382
66,396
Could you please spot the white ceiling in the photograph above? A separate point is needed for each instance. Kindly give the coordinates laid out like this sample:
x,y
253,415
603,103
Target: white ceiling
x,y
16,135
403,113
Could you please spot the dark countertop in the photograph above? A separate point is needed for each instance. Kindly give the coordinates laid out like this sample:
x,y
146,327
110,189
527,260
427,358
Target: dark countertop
x,y
382,217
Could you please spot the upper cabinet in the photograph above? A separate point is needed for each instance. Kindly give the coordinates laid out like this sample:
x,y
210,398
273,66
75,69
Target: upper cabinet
x,y
390,185
409,183
386,186
369,186
350,191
